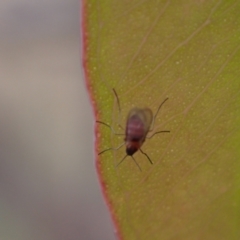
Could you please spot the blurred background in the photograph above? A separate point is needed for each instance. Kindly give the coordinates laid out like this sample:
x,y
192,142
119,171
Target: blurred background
x,y
48,183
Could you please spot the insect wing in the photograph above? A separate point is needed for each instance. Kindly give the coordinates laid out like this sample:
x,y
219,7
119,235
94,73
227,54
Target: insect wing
x,y
148,118
144,115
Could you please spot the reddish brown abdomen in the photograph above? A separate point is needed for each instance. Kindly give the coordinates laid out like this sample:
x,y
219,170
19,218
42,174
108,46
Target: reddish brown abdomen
x,y
135,129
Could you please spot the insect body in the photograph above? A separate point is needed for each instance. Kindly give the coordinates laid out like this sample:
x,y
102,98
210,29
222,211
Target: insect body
x,y
137,127
139,122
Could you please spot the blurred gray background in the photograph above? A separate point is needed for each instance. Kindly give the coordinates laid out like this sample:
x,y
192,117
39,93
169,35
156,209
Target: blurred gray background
x,y
48,182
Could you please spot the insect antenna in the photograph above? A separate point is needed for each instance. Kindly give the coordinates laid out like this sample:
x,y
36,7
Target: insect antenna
x,y
146,155
121,160
133,160
153,121
136,163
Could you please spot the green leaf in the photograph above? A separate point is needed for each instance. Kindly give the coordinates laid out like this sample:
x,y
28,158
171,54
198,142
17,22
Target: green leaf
x,y
188,51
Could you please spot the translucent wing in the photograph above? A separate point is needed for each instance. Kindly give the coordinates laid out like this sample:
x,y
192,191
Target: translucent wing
x,y
145,115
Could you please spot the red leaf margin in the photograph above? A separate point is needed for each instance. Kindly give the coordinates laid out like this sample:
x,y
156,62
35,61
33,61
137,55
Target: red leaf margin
x,y
84,40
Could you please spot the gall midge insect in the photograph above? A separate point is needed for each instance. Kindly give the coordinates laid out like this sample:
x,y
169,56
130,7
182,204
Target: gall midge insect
x,y
140,121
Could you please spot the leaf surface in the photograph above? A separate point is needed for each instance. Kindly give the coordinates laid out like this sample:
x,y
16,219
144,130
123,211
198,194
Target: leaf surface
x,y
188,51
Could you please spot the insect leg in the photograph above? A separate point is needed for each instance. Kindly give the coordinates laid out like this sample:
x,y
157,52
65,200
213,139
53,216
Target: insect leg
x,y
157,133
110,128
146,155
153,121
119,107
119,116
118,102
111,148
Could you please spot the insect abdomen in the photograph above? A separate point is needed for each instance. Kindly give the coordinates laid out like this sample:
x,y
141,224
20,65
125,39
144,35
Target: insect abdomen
x,y
135,129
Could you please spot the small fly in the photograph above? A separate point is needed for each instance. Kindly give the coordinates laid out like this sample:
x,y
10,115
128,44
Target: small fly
x,y
140,122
